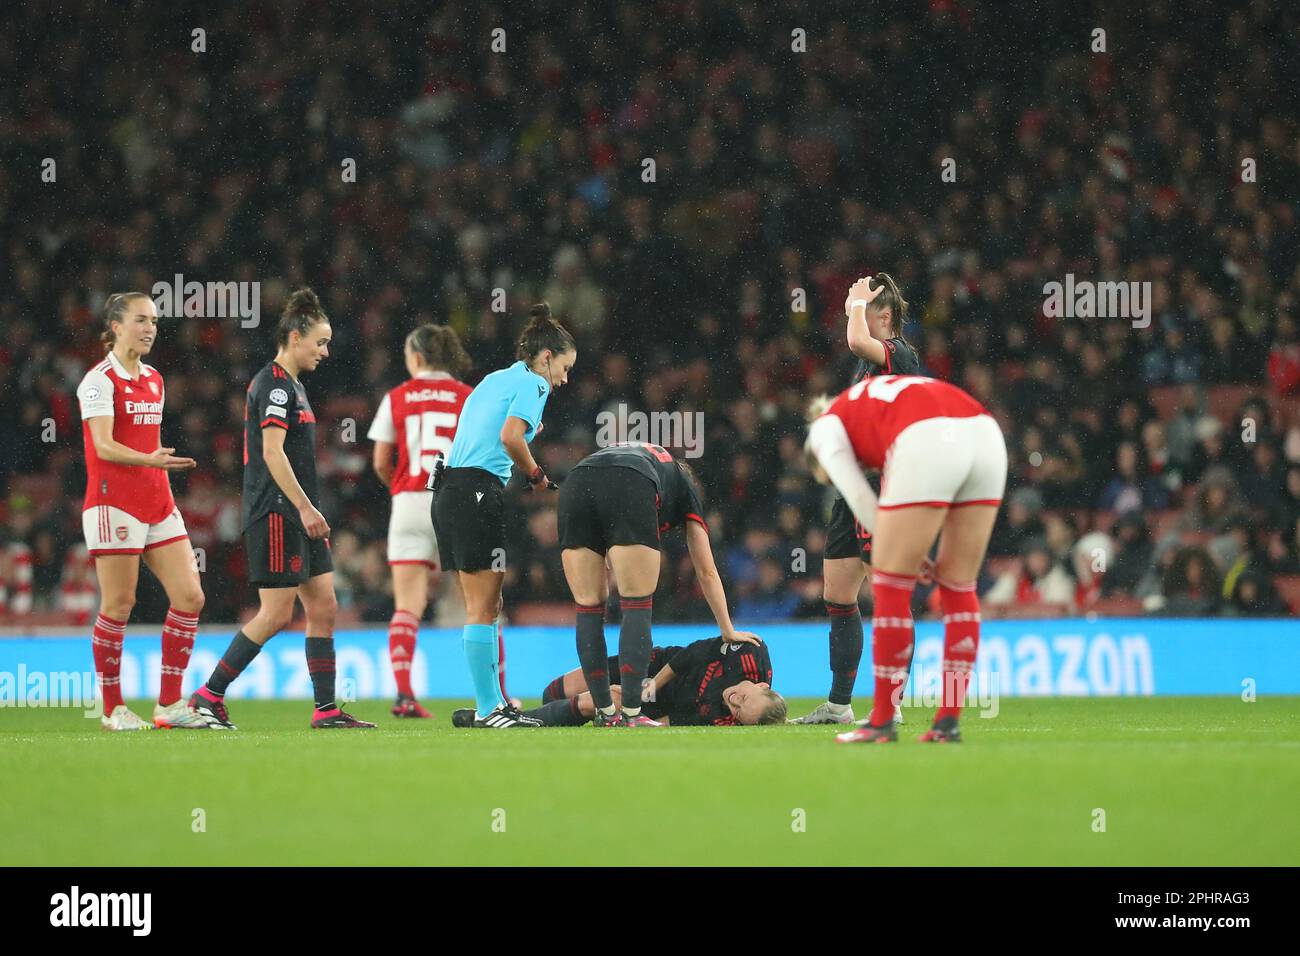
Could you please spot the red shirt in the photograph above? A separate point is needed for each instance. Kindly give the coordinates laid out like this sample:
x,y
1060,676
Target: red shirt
x,y
135,405
419,417
876,410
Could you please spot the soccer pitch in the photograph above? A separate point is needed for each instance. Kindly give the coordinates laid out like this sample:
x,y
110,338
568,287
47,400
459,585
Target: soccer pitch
x,y
1192,781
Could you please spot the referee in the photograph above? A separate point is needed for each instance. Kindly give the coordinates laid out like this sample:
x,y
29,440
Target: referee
x,y
500,417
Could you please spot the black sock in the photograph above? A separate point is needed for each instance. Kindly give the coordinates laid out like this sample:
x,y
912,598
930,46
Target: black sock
x,y
238,655
634,647
846,649
320,664
554,690
592,653
559,713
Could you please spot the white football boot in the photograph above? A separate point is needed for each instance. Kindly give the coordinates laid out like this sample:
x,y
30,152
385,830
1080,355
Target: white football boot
x,y
122,719
824,715
178,715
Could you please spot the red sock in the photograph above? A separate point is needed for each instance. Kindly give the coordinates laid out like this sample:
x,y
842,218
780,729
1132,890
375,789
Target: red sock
x,y
402,631
891,641
177,642
106,644
961,639
501,659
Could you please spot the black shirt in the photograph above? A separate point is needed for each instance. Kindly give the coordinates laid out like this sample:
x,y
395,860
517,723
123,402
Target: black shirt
x,y
900,359
702,671
679,502
276,399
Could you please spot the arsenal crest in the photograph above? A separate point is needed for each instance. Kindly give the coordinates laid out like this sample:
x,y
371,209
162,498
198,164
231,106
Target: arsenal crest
x,y
121,533
295,564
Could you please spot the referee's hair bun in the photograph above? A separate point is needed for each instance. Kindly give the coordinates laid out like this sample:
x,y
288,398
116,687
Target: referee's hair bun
x,y
543,331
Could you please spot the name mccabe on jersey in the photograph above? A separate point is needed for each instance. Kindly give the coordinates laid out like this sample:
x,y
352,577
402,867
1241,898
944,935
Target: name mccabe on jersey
x,y
434,395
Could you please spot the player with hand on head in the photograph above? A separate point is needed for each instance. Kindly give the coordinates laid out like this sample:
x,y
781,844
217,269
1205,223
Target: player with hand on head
x,y
875,310
418,419
615,505
285,535
944,469
500,417
129,514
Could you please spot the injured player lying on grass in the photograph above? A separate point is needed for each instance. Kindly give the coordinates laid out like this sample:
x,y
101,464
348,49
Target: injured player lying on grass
x,y
705,684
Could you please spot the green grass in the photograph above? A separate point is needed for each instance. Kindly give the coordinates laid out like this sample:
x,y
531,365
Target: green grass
x,y
1201,781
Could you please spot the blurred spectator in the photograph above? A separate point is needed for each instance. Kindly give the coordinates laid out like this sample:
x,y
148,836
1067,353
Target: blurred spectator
x,y
717,287
1130,490
1040,579
1133,555
1190,586
1253,596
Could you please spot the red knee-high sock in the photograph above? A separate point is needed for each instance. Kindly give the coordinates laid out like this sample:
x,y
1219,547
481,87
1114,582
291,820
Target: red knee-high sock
x,y
106,644
961,639
177,642
402,631
501,659
891,641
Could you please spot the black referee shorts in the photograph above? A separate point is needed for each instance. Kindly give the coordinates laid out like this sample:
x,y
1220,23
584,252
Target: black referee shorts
x,y
845,538
280,555
469,520
602,507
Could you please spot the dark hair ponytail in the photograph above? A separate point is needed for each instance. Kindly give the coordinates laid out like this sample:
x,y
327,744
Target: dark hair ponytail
x,y
440,347
543,332
891,299
301,312
114,309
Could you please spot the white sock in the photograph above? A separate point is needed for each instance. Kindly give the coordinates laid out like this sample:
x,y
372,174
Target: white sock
x,y
609,711
837,709
631,711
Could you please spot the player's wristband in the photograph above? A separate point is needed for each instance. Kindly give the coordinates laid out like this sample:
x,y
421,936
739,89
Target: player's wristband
x,y
538,477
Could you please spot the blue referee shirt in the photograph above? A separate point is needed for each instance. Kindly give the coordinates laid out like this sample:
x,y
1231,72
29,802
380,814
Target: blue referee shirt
x,y
514,392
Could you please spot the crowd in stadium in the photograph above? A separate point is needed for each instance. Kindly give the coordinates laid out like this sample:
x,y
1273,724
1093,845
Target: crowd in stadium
x,y
1155,465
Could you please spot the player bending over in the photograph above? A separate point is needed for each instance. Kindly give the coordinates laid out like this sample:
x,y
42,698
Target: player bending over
x,y
617,502
944,466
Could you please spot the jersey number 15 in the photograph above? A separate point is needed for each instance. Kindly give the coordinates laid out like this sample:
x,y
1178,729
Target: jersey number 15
x,y
428,435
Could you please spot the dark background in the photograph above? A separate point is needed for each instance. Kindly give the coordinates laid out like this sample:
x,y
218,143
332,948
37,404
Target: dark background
x,y
776,171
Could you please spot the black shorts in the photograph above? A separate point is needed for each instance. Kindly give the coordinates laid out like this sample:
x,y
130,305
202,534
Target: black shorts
x,y
602,507
469,520
845,538
280,555
659,656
